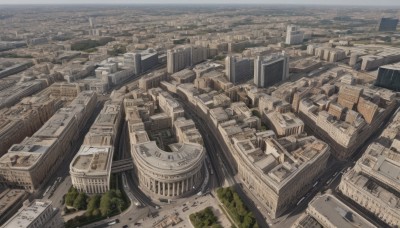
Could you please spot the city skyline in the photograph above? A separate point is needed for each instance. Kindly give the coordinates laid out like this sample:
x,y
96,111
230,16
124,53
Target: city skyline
x,y
222,2
172,113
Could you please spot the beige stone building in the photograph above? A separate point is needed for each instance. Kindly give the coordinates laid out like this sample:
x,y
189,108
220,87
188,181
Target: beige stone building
x,y
372,196
152,79
38,214
168,174
24,119
374,181
90,169
278,171
10,201
66,90
29,163
281,174
345,119
284,124
328,211
166,166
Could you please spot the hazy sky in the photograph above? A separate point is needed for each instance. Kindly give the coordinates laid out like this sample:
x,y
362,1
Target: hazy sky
x,y
336,2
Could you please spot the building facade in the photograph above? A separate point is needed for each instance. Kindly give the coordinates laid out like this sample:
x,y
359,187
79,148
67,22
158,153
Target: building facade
x,y
294,35
388,24
238,70
38,214
270,70
182,57
389,77
29,163
166,167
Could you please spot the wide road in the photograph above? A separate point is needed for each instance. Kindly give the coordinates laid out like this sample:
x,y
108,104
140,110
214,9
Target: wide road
x,y
222,168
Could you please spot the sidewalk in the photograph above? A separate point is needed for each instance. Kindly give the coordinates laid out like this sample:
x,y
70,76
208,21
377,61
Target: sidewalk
x,y
73,215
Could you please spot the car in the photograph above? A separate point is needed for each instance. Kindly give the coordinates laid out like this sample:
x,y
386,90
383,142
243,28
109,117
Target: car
x,y
125,226
300,201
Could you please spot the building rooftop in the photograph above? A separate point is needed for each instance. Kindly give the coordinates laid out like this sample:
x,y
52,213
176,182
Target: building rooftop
x,y
27,215
283,158
338,214
92,160
9,198
27,153
284,120
374,188
183,156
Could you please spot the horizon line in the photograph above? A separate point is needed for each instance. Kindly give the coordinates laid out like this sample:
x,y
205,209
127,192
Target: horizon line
x,y
189,4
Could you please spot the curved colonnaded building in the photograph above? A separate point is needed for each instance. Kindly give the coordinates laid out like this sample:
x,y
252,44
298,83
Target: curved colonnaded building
x,y
166,148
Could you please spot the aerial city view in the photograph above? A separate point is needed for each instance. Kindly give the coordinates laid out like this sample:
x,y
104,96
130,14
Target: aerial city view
x,y
192,114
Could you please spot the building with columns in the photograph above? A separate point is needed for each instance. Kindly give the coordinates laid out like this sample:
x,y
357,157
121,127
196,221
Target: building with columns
x,y
169,174
166,166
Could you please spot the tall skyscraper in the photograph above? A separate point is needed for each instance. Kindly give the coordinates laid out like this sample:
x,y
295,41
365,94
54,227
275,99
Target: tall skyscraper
x,y
294,35
91,22
388,24
182,57
142,61
269,70
239,69
389,77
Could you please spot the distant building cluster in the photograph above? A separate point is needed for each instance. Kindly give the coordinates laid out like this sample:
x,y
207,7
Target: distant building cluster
x,y
343,112
269,166
290,98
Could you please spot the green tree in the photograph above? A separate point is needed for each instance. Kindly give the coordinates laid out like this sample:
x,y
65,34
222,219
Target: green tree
x,y
80,201
96,213
71,196
94,203
248,220
105,204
